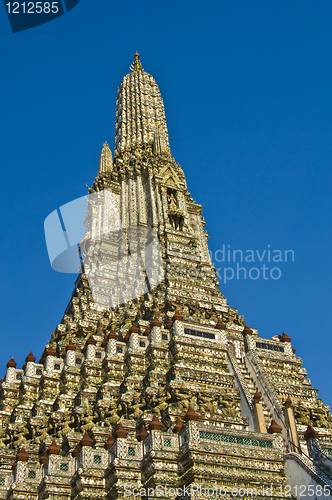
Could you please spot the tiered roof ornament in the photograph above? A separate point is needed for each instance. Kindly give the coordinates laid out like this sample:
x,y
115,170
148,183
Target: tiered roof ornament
x,y
11,363
136,65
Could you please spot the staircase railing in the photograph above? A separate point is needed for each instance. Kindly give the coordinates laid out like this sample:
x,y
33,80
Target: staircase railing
x,y
311,466
269,392
238,374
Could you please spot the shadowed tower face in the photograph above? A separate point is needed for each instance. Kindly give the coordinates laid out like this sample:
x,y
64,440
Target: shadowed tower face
x,y
151,379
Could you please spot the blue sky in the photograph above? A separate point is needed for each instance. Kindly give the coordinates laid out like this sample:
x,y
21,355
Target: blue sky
x,y
247,91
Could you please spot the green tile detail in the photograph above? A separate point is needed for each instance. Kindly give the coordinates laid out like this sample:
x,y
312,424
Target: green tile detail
x,y
214,436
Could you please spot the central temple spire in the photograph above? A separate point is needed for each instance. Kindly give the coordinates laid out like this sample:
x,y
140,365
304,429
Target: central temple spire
x,y
145,195
151,379
140,114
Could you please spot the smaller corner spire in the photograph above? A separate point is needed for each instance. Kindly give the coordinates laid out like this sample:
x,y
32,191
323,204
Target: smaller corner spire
x,y
136,65
106,160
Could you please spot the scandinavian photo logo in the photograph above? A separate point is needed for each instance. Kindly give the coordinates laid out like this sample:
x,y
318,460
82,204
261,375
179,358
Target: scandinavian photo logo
x,y
242,267
196,491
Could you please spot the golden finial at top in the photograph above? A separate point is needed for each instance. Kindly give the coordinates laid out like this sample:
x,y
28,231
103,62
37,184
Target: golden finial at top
x,y
136,65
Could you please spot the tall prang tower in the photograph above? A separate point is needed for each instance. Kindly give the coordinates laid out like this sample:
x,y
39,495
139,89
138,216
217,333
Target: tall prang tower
x,y
152,386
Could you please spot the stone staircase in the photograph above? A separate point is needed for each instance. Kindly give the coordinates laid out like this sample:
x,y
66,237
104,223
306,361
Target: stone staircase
x,y
252,388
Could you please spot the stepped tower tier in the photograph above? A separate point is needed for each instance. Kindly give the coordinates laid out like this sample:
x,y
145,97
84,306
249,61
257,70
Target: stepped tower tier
x,y
151,379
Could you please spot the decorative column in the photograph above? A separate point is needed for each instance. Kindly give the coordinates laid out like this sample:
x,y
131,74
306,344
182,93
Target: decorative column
x,y
30,365
54,482
133,329
247,337
155,334
52,453
133,338
120,435
21,464
85,445
177,319
49,362
155,427
69,356
286,339
90,348
110,343
191,434
291,424
258,414
220,325
10,374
